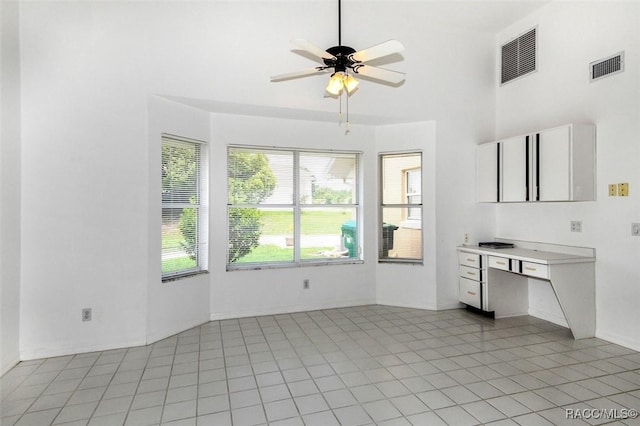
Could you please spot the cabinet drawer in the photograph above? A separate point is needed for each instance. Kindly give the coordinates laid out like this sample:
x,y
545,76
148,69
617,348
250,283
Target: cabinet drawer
x,y
499,263
469,259
471,273
535,269
470,292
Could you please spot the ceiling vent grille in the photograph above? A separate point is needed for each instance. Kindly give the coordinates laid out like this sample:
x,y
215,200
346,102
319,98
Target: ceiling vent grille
x,y
611,65
519,56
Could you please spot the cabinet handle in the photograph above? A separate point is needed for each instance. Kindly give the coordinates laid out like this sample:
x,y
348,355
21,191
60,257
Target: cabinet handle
x,y
471,293
471,273
470,260
500,263
530,269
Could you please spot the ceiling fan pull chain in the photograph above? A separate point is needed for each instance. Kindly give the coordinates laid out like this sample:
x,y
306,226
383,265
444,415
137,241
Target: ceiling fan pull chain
x,y
346,126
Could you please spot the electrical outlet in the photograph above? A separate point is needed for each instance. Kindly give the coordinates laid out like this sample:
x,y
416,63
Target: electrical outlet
x,y
466,238
576,226
623,189
613,190
305,284
86,314
635,229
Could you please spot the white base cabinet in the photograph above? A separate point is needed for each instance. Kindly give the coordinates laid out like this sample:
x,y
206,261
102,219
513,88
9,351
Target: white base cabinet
x,y
495,281
555,164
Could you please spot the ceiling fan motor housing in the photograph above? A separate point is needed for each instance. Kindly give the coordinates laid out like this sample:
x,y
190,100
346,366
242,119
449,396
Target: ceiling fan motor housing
x,y
342,60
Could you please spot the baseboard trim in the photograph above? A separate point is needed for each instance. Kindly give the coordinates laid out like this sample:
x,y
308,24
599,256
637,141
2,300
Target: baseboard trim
x,y
288,309
634,345
428,307
557,320
77,349
5,368
156,336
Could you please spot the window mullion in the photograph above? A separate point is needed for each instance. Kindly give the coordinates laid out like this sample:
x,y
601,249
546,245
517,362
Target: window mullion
x,y
297,239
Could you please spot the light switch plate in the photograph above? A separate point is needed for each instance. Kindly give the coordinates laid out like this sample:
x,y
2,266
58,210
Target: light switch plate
x,y
86,314
623,189
635,229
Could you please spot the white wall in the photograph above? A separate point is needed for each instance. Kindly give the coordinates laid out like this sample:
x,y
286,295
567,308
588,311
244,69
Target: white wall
x,y
84,180
411,285
9,185
89,73
269,291
177,305
571,35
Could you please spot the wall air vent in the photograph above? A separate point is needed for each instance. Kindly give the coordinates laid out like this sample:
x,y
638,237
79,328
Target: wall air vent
x,y
519,56
610,65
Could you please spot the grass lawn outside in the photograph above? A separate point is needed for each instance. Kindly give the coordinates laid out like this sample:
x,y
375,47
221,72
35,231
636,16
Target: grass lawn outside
x,y
171,236
273,222
313,222
270,253
177,264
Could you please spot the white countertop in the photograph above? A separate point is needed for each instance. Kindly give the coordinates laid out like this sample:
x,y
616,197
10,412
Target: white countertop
x,y
529,255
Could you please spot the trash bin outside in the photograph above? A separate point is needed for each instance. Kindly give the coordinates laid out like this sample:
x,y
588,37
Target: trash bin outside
x,y
350,237
387,238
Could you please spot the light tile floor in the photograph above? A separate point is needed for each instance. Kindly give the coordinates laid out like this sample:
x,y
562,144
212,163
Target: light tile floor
x,y
351,366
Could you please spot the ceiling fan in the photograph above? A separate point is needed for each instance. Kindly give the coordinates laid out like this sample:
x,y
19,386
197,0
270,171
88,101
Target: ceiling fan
x,y
344,61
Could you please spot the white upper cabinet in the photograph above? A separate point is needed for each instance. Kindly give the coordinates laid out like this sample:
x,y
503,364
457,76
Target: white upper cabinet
x,y
553,155
556,164
566,169
513,169
487,173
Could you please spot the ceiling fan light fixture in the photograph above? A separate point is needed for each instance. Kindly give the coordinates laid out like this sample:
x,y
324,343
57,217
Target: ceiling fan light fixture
x,y
350,83
336,83
344,61
340,81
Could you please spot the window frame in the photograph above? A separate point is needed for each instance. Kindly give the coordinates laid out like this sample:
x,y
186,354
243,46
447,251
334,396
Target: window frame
x,y
297,207
201,207
406,223
407,195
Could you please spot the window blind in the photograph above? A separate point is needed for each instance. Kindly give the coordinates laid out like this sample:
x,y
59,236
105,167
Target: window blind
x,y
184,238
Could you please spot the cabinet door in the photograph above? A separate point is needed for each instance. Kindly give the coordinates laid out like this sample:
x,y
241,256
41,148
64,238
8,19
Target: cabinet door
x,y
514,170
553,168
487,172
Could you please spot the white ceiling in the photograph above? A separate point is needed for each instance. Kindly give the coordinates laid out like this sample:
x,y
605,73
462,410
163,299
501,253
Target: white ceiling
x,y
480,15
488,16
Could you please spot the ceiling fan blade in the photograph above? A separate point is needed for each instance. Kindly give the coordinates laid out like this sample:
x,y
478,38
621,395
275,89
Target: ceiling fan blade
x,y
313,49
379,50
389,76
298,74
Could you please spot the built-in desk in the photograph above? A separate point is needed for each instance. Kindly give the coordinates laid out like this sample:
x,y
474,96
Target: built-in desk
x,y
495,281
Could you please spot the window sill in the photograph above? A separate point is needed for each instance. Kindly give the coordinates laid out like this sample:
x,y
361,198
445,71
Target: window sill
x,y
402,261
258,266
182,276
